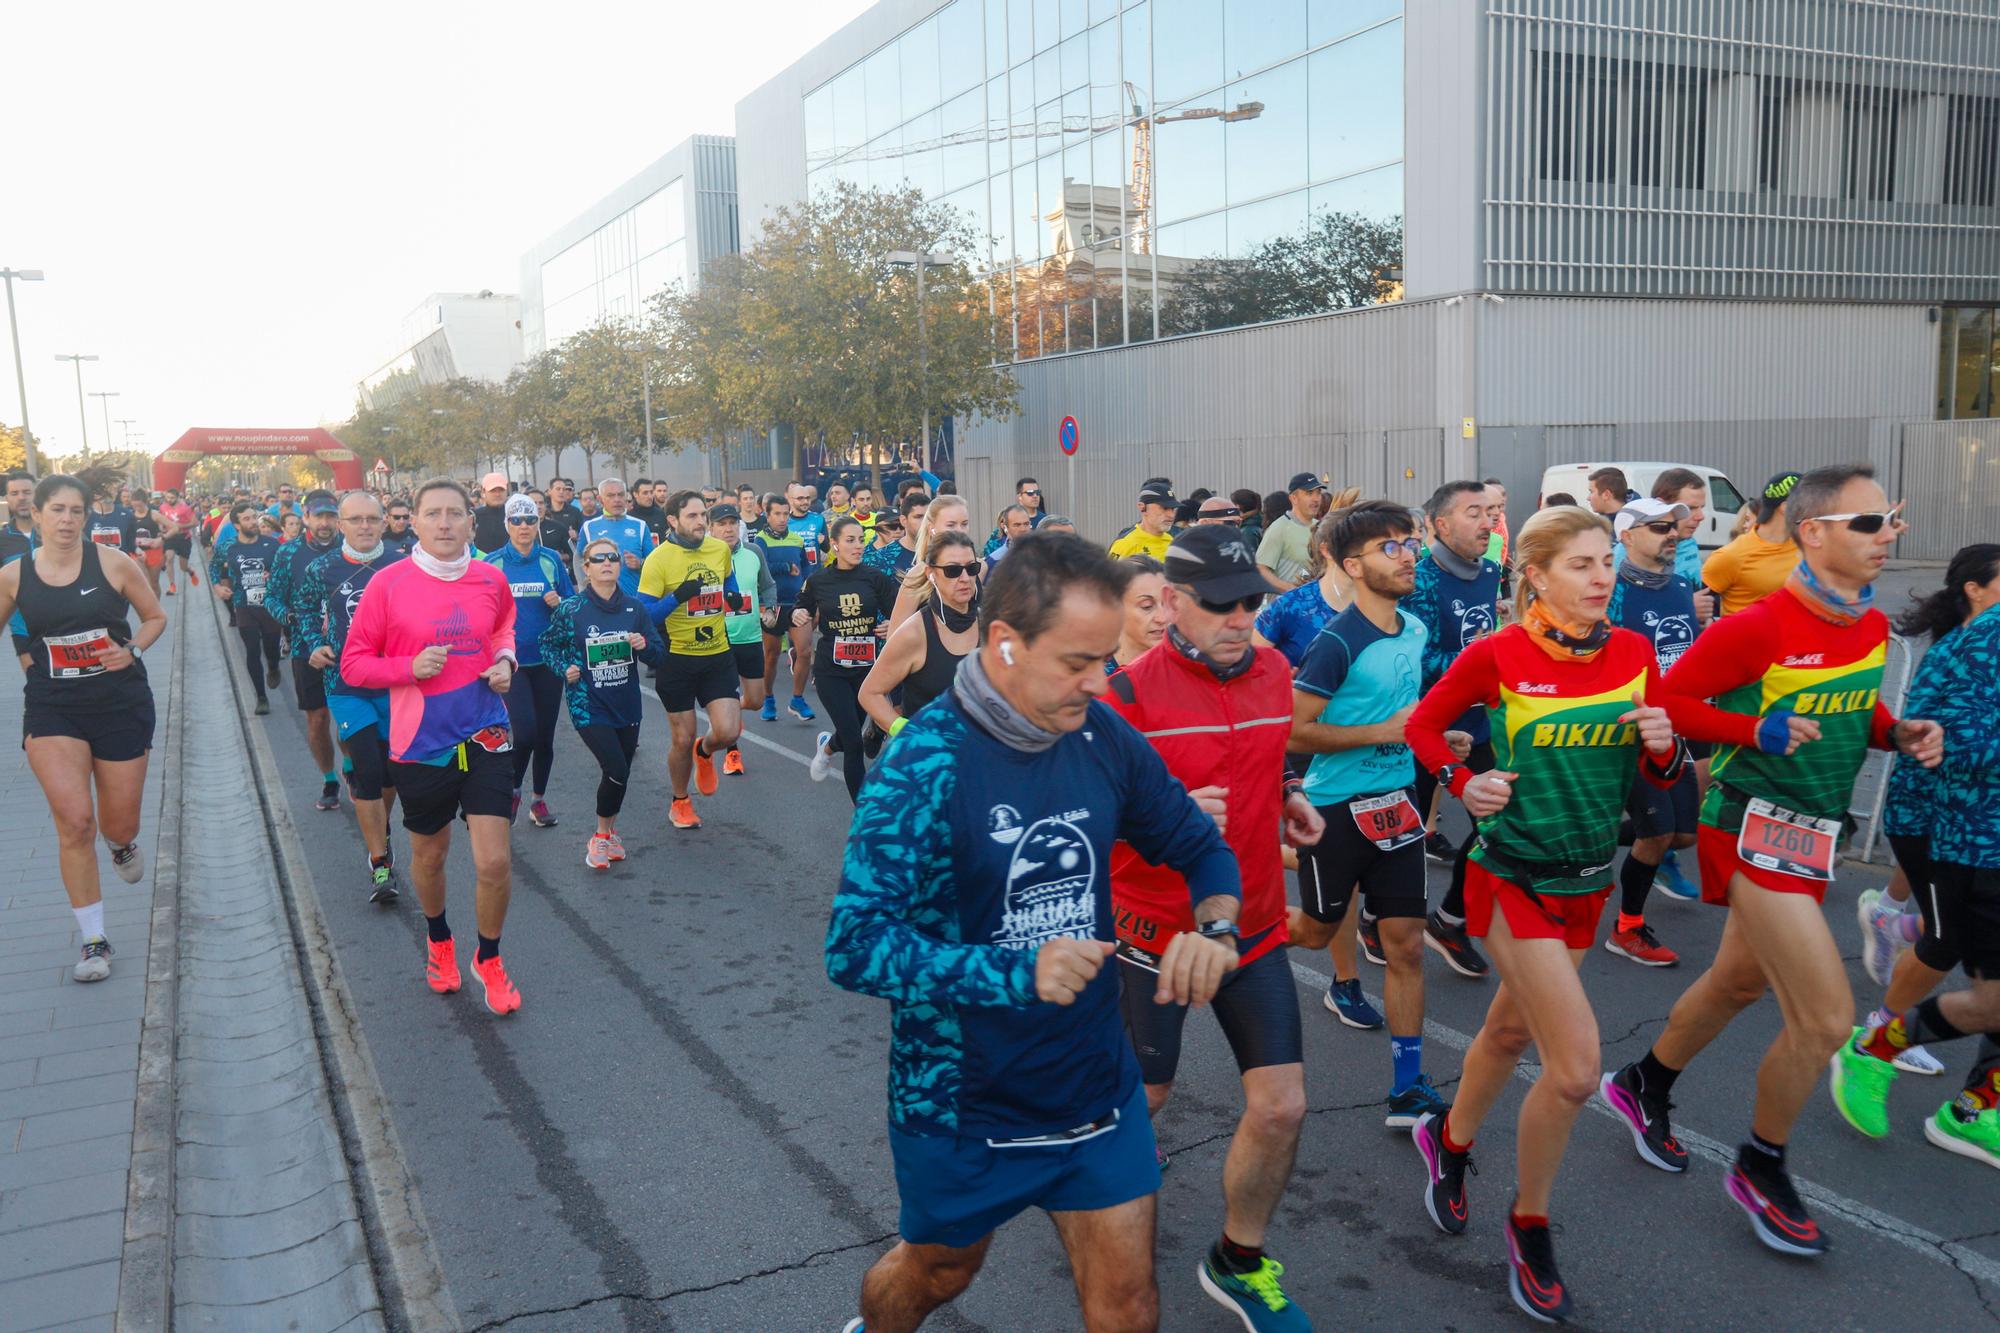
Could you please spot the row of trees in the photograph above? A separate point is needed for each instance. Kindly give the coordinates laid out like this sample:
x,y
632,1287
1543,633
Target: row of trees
x,y
813,327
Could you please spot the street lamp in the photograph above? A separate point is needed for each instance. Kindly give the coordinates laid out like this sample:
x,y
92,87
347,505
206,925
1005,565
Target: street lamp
x,y
82,420
20,377
921,263
105,399
125,424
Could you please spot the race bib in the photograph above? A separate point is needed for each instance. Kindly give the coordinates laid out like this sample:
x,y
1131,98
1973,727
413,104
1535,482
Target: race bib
x,y
74,656
707,602
1389,821
1785,841
607,655
254,596
854,651
105,536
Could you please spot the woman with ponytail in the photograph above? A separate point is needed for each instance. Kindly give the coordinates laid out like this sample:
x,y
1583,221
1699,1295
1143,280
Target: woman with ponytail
x,y
922,656
947,513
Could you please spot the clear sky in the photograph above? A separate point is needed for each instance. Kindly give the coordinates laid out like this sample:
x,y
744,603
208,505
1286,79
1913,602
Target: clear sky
x,y
236,203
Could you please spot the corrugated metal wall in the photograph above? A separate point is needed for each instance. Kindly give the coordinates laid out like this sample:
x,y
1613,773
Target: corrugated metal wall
x,y
1951,479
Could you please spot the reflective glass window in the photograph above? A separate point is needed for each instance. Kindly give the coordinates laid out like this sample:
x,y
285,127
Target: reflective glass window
x,y
1101,10
1373,194
1021,96
1048,77
1048,23
1267,153
1076,116
1075,17
961,36
1002,200
819,125
568,273
1253,227
885,99
1187,49
1202,238
1048,127
1075,55
1027,214
1187,168
923,155
850,112
1049,199
1263,33
1357,102
964,132
1020,30
1105,92
996,37
1328,19
917,57
1107,164
1136,41
1973,392
997,140
971,205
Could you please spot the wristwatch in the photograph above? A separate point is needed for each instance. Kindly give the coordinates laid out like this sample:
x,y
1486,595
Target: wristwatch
x,y
1446,774
1220,929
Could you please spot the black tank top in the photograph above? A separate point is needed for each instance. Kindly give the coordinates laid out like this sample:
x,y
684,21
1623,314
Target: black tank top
x,y
939,668
67,627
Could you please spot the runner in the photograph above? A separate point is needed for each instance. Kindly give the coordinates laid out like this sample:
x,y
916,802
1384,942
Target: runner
x,y
489,520
745,629
921,658
1218,711
328,593
1353,692
1145,619
1795,679
87,708
900,556
1568,692
974,899
178,541
1284,547
590,642
790,559
111,525
1150,535
437,632
1760,561
1658,605
148,546
635,539
850,603
806,521
18,536
396,533
539,578
692,581
320,538
240,574
945,513
1456,599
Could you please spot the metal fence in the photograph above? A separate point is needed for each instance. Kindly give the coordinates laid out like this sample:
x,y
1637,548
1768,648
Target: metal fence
x,y
1950,474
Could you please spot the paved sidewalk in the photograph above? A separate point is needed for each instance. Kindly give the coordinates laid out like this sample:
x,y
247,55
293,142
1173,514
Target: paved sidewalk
x,y
69,1053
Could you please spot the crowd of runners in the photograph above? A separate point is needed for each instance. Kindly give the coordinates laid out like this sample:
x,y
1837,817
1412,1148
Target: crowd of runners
x,y
1082,778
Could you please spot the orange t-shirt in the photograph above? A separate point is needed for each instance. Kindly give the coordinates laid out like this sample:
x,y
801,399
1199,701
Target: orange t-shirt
x,y
1749,569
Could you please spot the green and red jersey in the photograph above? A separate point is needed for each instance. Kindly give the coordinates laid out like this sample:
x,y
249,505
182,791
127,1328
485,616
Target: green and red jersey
x,y
1558,724
1777,656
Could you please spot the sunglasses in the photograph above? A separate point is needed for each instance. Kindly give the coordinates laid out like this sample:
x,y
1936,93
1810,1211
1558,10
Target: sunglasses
x,y
1661,528
522,522
1250,604
603,558
956,571
1867,523
1031,495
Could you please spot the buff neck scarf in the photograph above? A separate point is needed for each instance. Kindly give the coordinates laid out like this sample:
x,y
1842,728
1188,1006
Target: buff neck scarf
x,y
451,571
1824,602
1561,641
982,702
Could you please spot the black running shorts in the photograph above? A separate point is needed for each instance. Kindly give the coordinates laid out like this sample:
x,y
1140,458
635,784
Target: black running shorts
x,y
435,794
308,685
749,660
1343,860
1258,1007
687,682
113,737
1966,900
1659,811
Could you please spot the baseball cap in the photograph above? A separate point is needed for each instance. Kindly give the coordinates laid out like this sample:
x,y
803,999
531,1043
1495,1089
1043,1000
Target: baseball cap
x,y
724,513
1646,510
521,506
888,518
1775,491
1305,481
1158,492
1216,563
321,502
493,479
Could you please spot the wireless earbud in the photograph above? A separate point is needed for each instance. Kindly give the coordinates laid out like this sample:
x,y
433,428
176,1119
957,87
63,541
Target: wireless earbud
x,y
1007,651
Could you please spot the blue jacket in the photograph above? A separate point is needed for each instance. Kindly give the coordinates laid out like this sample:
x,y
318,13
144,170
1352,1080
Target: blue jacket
x,y
280,592
586,633
532,577
964,858
1912,796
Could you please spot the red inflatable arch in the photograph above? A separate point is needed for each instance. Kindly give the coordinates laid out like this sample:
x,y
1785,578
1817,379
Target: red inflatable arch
x,y
170,468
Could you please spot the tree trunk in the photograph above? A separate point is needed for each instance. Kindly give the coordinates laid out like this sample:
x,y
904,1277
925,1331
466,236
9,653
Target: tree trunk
x,y
875,463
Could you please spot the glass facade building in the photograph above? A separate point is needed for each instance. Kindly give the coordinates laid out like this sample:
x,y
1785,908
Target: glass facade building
x,y
1140,168
610,273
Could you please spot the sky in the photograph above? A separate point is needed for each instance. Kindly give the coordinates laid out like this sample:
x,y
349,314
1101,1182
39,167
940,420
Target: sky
x,y
236,204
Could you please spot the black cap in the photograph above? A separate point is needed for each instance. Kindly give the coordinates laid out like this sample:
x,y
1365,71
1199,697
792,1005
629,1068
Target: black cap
x,y
888,518
724,513
1775,491
1305,481
320,502
1217,563
1157,492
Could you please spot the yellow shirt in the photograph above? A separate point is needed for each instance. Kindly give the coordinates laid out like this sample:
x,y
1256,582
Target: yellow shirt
x,y
1141,542
696,628
1749,569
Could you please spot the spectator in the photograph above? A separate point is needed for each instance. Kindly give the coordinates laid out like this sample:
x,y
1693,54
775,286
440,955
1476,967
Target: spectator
x,y
1285,551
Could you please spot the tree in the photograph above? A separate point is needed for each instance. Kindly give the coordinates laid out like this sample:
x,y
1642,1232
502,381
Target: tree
x,y
533,399
13,448
601,372
1340,261
708,384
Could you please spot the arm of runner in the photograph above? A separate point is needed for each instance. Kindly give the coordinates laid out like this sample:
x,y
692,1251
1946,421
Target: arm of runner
x,y
655,651
892,668
1726,654
1963,706
1319,678
1473,679
311,632
557,639
767,586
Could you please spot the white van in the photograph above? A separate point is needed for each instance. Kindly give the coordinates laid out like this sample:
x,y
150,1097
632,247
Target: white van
x,y
1723,498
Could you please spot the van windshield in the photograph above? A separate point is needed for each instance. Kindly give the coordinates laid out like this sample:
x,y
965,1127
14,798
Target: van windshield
x,y
1722,497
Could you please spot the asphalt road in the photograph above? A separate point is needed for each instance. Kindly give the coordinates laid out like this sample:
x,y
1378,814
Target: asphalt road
x,y
683,1128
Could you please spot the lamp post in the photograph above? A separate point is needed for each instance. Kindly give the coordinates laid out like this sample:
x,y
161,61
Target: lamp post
x,y
105,400
82,419
20,376
921,263
125,424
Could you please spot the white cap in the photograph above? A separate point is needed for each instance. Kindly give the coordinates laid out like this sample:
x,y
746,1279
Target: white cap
x,y
521,506
1646,511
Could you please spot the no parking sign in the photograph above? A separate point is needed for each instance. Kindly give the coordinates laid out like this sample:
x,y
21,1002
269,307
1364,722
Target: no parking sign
x,y
1069,436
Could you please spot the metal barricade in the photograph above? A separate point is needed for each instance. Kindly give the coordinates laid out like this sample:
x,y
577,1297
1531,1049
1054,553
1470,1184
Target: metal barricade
x,y
1871,785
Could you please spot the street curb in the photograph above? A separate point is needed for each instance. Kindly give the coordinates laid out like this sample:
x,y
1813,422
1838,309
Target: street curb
x,y
146,1265
409,1276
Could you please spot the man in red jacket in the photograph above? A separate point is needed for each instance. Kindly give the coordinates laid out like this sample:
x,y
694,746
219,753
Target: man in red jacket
x,y
1219,711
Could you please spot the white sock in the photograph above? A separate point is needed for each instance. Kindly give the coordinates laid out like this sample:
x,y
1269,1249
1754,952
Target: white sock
x,y
90,920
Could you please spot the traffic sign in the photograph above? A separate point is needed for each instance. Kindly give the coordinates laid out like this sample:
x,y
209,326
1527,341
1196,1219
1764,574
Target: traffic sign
x,y
1069,436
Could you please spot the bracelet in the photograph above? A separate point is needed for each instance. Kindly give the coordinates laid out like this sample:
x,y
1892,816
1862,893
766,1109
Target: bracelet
x,y
897,726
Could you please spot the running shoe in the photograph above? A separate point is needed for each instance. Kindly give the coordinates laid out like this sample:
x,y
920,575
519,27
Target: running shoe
x,y
1160,1158
170,592
382,884
125,860
732,762
800,709
271,677
1532,1279
1776,1214
1642,946
194,579
1345,1000
597,855
1414,1103
540,815
1881,940
441,971
95,965
1860,1087
704,769
1977,1138
769,712
681,813
1256,1297
1917,1060
1444,1175
614,846
822,761
1438,848
1673,882
329,796
1649,1118
501,997
263,708
872,738
1454,945
853,1325
1369,931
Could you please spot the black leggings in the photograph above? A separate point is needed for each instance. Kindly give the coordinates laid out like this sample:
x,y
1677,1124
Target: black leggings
x,y
259,633
368,751
613,748
1913,856
840,694
534,702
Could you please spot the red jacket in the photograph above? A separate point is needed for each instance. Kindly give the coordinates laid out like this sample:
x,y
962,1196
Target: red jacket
x,y
1212,734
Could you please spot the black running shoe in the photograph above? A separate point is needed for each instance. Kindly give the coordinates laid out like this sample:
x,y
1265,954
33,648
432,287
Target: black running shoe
x,y
1532,1279
1765,1192
1444,1192
329,797
1454,945
263,708
1413,1103
272,678
382,883
1369,931
1438,848
1652,1134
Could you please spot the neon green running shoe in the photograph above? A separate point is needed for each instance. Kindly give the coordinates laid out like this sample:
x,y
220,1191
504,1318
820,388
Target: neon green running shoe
x,y
1860,1087
1255,1297
1977,1138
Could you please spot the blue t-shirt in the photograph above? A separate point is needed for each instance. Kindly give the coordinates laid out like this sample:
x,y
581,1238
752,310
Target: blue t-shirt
x,y
1292,620
532,577
1663,617
894,559
631,534
811,527
1365,676
246,568
1454,612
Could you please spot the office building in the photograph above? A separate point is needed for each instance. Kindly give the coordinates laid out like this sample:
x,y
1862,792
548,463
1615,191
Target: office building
x,y
448,336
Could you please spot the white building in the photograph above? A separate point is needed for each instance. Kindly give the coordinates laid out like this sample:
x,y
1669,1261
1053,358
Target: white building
x,y
448,336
